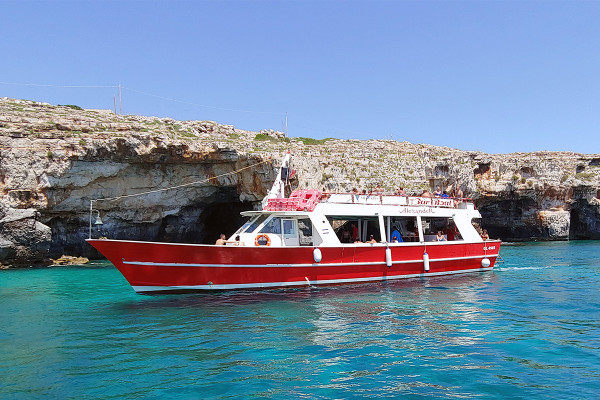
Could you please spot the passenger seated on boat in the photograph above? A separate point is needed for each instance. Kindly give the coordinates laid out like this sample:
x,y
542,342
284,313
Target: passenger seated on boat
x,y
451,233
237,241
438,191
355,195
396,236
346,236
354,232
222,240
440,237
400,192
445,195
426,193
362,197
484,235
371,239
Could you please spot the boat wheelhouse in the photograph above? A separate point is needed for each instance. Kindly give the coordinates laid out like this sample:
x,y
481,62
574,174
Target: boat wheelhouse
x,y
311,238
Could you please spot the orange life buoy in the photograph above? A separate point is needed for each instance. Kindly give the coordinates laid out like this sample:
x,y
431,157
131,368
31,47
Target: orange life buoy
x,y
264,238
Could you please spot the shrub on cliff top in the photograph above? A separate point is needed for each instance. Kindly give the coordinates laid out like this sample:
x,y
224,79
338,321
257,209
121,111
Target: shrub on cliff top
x,y
311,141
262,137
74,107
584,176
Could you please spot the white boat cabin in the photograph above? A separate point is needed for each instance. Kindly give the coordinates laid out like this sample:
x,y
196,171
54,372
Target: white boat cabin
x,y
307,219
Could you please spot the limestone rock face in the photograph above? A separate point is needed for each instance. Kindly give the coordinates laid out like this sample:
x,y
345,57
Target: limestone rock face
x,y
197,176
23,239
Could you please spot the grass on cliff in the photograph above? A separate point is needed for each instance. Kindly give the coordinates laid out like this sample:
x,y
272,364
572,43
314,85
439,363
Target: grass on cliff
x,y
73,106
261,137
311,141
584,176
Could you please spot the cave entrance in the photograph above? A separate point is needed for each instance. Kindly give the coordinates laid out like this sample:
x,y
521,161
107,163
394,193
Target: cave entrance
x,y
219,218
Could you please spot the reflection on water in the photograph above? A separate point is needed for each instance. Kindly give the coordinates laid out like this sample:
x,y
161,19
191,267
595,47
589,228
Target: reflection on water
x,y
528,329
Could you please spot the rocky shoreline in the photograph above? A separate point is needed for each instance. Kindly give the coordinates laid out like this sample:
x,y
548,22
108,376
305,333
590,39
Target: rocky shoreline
x,y
55,159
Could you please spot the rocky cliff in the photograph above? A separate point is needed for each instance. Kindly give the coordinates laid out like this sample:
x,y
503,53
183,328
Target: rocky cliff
x,y
54,160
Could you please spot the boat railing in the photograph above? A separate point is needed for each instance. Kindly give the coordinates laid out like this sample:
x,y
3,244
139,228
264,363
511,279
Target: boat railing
x,y
398,200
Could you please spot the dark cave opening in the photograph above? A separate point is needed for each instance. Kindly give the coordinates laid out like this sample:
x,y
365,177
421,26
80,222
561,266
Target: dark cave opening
x,y
220,218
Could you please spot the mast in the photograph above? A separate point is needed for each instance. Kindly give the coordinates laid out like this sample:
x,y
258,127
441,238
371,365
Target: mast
x,y
278,189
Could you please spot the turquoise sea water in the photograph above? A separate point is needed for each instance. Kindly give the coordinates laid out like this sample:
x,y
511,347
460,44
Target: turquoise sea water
x,y
529,329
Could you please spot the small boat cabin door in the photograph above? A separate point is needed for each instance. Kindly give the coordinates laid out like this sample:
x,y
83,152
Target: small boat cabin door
x,y
289,228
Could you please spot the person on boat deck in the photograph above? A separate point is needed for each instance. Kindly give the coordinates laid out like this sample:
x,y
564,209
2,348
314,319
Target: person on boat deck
x,y
237,241
451,232
426,193
396,236
371,239
400,192
354,232
378,190
445,194
438,191
355,195
440,237
221,240
484,235
346,236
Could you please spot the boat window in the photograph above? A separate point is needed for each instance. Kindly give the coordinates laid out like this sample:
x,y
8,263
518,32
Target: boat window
x,y
245,226
350,229
288,227
253,224
305,231
273,226
431,226
401,229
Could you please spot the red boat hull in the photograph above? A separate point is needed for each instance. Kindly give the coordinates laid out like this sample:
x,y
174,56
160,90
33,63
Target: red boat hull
x,y
155,267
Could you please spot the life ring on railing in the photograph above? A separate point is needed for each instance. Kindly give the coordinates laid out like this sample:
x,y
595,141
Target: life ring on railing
x,y
262,240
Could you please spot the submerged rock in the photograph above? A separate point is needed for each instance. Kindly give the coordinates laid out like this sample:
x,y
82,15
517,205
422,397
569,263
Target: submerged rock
x,y
70,260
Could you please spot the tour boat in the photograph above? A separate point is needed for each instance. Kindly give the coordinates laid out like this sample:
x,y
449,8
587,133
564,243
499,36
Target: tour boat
x,y
314,238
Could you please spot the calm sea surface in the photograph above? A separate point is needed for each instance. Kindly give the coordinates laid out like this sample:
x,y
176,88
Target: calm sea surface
x,y
530,329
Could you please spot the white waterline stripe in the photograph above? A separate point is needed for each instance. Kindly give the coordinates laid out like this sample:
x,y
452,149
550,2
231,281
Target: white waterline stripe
x,y
149,263
299,283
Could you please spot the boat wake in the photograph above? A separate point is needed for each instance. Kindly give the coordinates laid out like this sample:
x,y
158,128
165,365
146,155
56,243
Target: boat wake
x,y
507,268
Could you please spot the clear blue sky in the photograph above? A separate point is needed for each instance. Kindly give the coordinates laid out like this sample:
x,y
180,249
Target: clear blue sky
x,y
496,76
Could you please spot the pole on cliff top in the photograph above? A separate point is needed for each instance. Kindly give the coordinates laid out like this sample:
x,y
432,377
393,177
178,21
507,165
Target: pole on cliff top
x,y
286,124
120,101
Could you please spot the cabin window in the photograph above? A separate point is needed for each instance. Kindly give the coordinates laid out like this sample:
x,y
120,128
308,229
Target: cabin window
x,y
251,225
353,229
272,226
401,229
431,226
305,232
289,228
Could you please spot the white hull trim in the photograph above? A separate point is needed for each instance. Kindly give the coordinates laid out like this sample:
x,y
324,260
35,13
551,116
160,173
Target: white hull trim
x,y
149,263
146,289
